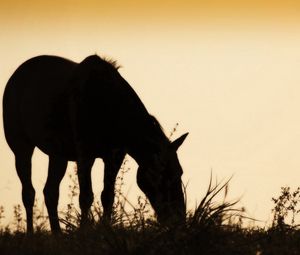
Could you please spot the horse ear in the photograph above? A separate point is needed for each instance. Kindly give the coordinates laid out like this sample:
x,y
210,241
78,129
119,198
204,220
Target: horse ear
x,y
176,144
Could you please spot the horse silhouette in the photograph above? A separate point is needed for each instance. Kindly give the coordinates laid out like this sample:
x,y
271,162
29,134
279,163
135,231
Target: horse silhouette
x,y
80,112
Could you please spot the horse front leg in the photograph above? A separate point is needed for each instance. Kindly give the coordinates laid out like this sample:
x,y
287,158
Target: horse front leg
x,y
112,163
85,185
56,171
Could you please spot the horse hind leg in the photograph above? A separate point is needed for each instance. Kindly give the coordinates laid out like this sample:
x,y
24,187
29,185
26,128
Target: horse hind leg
x,y
56,171
23,166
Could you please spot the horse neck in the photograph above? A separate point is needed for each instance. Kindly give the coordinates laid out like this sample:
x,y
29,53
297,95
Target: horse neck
x,y
143,149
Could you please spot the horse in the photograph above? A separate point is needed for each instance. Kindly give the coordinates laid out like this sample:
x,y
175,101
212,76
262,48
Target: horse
x,y
83,111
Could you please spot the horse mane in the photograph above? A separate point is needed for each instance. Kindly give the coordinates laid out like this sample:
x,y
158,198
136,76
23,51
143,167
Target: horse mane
x,y
112,62
96,59
159,131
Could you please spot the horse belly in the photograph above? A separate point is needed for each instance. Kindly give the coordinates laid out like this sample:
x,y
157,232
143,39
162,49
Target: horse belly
x,y
48,129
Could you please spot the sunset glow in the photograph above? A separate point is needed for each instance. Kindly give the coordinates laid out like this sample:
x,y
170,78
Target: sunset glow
x,y
226,71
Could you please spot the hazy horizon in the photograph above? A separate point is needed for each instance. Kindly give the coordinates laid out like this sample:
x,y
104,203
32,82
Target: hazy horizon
x,y
226,72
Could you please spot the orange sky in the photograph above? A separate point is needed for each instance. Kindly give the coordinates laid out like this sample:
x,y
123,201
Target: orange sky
x,y
155,10
227,71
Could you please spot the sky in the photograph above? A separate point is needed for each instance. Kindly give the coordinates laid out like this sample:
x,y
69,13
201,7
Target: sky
x,y
226,71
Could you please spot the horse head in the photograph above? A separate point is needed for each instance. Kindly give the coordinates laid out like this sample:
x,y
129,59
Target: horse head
x,y
160,179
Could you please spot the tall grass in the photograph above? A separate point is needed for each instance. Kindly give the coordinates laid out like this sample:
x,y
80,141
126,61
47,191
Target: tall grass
x,y
214,226
211,213
134,229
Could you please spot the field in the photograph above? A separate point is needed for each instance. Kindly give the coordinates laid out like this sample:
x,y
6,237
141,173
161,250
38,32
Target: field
x,y
154,240
212,228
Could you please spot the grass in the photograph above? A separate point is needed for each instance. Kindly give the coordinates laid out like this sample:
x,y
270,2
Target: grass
x,y
211,228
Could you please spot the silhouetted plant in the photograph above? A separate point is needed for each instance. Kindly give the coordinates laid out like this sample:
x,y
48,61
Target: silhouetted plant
x,y
40,220
1,215
286,208
71,218
210,213
18,220
173,131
